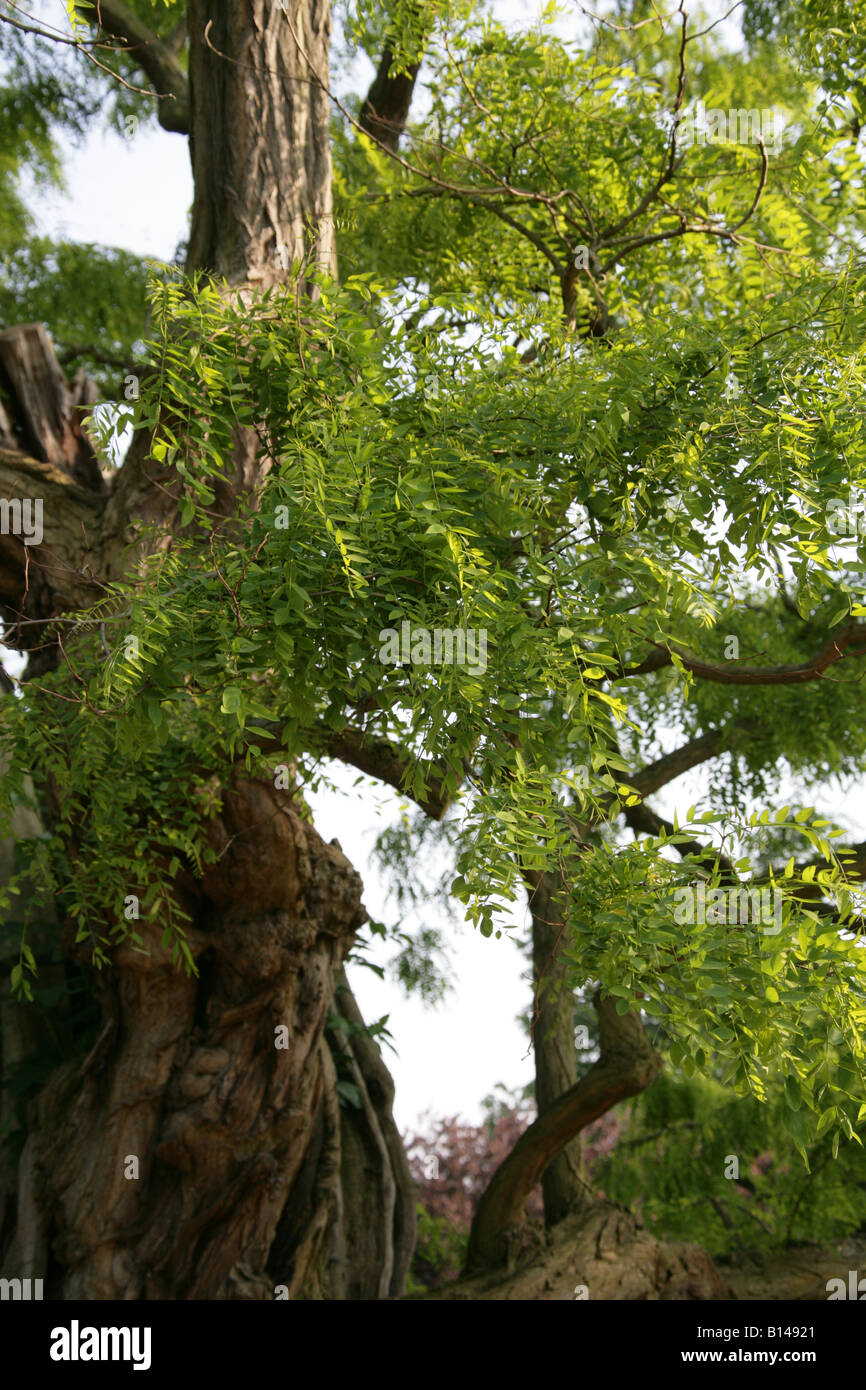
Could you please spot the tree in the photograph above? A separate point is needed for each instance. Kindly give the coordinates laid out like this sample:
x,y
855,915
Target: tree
x,y
569,457
197,1148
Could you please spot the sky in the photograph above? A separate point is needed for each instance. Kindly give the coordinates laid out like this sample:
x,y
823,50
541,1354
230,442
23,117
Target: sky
x,y
136,193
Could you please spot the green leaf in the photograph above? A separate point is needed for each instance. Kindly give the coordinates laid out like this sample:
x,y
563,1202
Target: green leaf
x,y
792,1092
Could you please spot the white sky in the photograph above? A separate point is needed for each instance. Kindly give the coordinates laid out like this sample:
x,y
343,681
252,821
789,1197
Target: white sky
x,y
136,193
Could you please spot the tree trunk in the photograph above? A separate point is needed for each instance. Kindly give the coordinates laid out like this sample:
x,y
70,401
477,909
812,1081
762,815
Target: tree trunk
x,y
564,1184
260,139
189,1154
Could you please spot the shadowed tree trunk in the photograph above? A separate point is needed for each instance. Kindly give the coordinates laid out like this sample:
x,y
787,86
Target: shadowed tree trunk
x,y
564,1183
187,1155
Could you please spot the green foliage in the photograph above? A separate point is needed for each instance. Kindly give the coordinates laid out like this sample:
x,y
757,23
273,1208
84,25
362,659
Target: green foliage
x,y
827,35
440,1252
92,298
580,505
671,1163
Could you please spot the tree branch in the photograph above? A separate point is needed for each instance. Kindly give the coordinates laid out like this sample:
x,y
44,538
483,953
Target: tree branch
x,y
376,757
698,750
386,107
642,820
729,673
380,758
155,58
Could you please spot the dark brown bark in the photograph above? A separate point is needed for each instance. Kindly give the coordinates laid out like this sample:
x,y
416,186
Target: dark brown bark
x,y
186,1077
40,417
564,1182
386,106
250,1174
156,59
626,1065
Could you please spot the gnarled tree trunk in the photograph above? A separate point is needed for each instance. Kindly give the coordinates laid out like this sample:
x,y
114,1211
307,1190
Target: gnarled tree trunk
x,y
188,1155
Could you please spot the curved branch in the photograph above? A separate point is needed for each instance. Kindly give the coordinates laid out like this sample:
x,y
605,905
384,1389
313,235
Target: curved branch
x,y
626,1065
729,673
698,750
380,758
155,58
386,107
374,756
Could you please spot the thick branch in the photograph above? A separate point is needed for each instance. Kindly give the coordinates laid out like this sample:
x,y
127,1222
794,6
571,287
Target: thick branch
x,y
692,754
377,757
386,107
42,419
382,759
156,60
729,673
50,574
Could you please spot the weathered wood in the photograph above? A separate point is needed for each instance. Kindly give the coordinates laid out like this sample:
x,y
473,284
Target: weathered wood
x,y
42,405
261,153
564,1182
57,575
7,434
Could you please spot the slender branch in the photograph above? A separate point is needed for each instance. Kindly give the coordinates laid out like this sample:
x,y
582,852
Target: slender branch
x,y
82,45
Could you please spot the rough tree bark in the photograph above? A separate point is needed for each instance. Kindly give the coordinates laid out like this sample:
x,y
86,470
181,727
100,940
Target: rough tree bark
x,y
564,1183
251,1174
260,139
